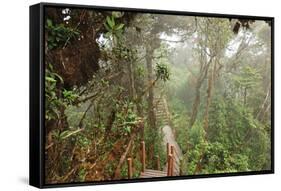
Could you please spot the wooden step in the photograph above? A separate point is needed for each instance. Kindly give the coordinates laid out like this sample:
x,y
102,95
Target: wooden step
x,y
149,173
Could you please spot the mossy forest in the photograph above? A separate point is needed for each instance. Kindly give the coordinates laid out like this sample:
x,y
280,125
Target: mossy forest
x,y
133,95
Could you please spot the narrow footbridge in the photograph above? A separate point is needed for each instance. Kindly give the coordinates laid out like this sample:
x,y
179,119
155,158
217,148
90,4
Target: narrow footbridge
x,y
172,167
173,151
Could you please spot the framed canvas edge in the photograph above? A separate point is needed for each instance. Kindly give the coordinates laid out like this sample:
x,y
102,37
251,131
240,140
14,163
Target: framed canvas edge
x,y
37,168
157,11
36,80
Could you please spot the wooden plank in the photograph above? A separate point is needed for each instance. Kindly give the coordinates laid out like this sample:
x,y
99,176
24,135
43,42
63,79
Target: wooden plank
x,y
152,173
159,172
149,176
152,170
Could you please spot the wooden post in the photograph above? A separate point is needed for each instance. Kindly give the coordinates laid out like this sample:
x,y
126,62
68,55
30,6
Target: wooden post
x,y
172,150
173,158
170,165
143,155
158,162
168,150
130,172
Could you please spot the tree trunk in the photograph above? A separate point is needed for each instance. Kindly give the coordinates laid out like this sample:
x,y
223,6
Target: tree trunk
x,y
131,80
208,101
203,73
110,121
151,115
263,106
195,106
265,112
122,159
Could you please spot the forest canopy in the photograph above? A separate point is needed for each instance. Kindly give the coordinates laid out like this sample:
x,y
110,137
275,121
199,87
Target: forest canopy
x,y
122,86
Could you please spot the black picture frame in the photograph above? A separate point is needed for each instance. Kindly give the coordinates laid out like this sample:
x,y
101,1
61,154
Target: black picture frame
x,y
36,98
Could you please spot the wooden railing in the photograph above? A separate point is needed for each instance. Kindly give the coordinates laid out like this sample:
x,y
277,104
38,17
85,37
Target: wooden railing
x,y
173,161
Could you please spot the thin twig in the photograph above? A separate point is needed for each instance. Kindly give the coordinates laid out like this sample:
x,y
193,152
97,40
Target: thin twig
x,y
72,133
81,17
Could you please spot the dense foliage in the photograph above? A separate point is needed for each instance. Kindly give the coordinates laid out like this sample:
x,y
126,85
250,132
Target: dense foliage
x,y
114,79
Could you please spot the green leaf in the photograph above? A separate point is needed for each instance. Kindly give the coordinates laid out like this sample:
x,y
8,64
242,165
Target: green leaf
x,y
64,133
117,14
109,22
49,23
113,21
108,34
107,27
51,39
49,79
59,77
76,32
120,26
50,67
127,129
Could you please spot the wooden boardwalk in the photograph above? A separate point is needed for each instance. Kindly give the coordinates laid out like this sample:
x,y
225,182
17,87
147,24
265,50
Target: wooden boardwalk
x,y
149,173
172,167
173,148
174,154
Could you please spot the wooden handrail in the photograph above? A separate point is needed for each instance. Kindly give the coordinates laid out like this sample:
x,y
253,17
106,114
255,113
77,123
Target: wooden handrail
x,y
173,152
176,164
170,165
173,161
168,149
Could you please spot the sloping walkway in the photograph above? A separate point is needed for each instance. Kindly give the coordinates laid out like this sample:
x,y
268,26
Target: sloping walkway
x,y
163,115
170,138
173,150
174,153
